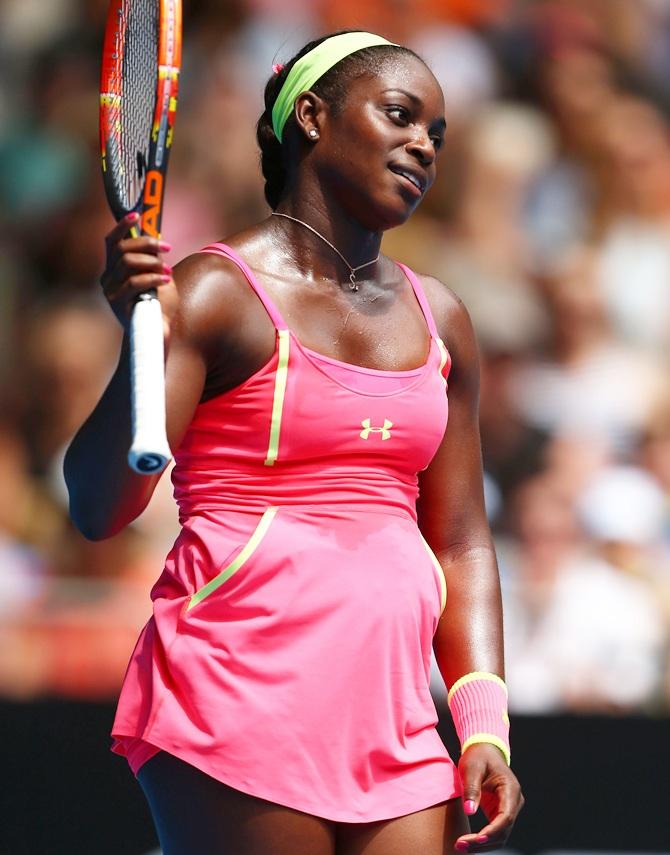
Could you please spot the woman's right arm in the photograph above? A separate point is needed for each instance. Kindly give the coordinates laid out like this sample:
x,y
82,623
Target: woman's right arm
x,y
105,493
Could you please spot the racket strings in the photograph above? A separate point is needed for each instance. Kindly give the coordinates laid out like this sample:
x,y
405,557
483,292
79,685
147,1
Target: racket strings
x,y
136,71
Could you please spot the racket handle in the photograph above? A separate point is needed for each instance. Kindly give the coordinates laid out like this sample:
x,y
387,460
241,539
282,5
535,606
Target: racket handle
x,y
149,453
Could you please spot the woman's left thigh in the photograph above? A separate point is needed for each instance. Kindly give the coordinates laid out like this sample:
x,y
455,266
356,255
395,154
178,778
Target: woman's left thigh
x,y
432,831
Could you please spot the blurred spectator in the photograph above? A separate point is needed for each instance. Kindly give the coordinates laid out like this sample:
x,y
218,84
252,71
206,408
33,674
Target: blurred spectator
x,y
71,347
512,447
634,268
588,634
655,447
545,538
590,382
29,525
573,78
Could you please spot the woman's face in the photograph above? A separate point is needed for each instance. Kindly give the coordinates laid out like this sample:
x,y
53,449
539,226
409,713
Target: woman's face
x,y
377,154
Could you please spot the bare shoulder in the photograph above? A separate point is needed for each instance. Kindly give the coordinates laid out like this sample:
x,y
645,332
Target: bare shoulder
x,y
451,318
206,281
213,297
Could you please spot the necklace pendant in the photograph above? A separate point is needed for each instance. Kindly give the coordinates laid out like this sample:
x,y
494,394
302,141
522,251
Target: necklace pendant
x,y
353,285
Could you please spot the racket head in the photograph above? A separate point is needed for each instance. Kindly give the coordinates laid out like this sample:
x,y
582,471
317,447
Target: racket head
x,y
138,101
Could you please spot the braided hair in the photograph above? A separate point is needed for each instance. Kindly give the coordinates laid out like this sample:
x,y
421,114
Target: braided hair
x,y
332,88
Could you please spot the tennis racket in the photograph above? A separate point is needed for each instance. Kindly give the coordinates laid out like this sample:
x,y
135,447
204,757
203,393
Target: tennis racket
x,y
138,101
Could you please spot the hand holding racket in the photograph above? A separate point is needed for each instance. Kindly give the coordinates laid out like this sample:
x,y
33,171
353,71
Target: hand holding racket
x,y
138,100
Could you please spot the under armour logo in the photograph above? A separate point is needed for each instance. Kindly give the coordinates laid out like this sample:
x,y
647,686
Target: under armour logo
x,y
384,430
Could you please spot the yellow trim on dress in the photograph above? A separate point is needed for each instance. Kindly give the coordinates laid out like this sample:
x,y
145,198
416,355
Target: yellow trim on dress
x,y
281,377
439,571
475,675
490,739
444,354
243,556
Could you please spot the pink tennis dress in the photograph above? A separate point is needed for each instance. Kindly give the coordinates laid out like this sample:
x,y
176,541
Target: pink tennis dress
x,y
288,654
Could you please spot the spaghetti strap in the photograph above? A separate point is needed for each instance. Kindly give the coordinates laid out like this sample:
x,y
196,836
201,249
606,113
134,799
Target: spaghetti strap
x,y
225,251
420,295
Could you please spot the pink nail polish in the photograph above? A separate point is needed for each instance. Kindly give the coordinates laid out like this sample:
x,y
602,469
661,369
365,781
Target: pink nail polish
x,y
461,846
483,838
164,247
469,807
166,277
134,217
167,268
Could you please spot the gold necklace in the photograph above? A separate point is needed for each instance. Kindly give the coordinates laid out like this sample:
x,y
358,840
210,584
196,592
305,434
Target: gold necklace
x,y
353,285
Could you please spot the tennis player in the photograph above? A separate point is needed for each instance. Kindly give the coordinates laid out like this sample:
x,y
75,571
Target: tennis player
x,y
278,699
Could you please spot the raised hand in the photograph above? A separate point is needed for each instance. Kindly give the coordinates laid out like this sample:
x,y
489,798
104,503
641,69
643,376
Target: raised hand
x,y
134,265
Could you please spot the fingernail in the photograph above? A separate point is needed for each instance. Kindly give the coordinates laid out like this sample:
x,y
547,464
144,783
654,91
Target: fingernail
x,y
166,277
133,217
469,806
167,268
483,838
461,846
163,246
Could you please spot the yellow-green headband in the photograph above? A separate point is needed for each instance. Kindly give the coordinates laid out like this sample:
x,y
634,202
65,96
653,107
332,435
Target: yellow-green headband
x,y
312,66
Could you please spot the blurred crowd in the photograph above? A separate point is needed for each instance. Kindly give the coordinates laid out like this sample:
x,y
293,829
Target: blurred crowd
x,y
550,219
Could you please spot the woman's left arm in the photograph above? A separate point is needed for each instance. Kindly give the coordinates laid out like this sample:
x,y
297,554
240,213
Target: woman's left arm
x,y
452,518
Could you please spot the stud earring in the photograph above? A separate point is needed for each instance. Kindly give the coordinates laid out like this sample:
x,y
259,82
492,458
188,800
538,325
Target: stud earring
x,y
313,133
